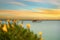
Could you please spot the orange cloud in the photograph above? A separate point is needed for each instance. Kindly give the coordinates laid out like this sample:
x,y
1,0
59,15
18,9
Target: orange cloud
x,y
30,15
47,11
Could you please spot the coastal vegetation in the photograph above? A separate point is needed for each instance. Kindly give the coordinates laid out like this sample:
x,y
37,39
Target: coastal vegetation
x,y
17,32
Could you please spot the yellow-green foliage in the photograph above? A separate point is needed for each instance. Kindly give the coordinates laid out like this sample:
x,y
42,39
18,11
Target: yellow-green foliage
x,y
16,32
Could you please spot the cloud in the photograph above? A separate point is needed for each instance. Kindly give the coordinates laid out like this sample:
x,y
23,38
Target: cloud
x,y
6,1
17,3
54,2
13,2
35,0
29,14
47,11
46,1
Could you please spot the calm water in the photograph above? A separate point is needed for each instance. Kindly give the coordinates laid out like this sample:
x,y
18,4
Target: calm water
x,y
50,29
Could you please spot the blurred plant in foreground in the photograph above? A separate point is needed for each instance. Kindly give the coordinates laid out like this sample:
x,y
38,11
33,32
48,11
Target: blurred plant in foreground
x,y
17,32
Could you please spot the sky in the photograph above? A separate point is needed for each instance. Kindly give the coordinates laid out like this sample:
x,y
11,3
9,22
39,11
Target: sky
x,y
30,8
29,4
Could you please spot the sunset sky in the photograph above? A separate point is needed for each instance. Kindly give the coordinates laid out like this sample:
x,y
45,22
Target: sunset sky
x,y
30,8
28,4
